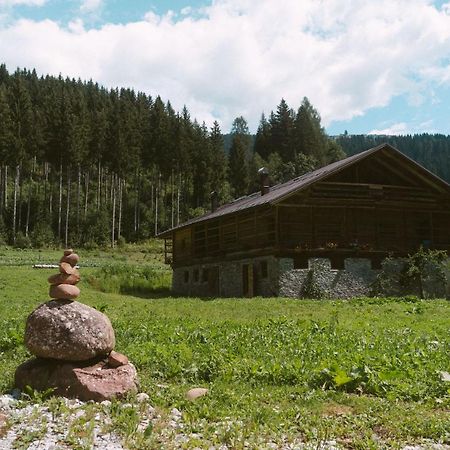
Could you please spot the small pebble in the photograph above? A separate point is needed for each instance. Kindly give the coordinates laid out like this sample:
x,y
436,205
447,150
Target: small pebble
x,y
142,397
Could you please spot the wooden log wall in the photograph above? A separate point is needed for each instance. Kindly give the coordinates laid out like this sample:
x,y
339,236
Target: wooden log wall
x,y
383,217
252,230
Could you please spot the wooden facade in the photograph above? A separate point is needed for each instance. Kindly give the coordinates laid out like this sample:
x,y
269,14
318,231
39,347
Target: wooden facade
x,y
370,205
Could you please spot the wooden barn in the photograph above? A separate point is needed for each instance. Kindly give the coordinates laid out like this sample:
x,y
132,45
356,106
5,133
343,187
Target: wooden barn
x,y
350,214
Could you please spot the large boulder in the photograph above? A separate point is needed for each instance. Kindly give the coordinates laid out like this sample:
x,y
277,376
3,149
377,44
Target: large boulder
x,y
92,380
70,331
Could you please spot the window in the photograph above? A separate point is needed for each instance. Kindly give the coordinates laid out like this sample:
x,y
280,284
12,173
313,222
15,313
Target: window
x,y
186,276
196,275
205,275
264,269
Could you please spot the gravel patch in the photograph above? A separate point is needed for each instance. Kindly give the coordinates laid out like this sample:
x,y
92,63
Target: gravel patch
x,y
62,424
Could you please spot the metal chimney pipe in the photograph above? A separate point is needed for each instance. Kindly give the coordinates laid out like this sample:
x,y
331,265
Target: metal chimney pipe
x,y
214,196
264,180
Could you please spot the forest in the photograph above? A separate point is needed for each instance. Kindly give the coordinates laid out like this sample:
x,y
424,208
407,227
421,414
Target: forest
x,y
83,165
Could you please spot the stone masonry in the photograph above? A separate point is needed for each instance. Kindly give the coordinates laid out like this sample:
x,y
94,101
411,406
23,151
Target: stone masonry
x,y
276,277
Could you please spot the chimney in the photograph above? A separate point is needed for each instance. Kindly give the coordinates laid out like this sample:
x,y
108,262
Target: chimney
x,y
214,196
264,180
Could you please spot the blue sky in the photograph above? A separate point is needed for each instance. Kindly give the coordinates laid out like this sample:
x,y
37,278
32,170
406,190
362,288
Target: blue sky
x,y
368,66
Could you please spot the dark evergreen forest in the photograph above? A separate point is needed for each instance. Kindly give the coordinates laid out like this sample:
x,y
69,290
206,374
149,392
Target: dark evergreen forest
x,y
430,150
84,165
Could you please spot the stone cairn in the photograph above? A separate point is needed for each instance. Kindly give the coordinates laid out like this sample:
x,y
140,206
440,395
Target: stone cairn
x,y
73,345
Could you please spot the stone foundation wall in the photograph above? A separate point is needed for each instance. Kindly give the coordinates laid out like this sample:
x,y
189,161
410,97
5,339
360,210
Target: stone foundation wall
x,y
320,280
277,277
185,282
357,279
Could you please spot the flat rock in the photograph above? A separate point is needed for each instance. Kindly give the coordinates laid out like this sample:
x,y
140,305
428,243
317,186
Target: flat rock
x,y
64,291
194,393
92,380
64,278
116,359
68,330
71,259
67,268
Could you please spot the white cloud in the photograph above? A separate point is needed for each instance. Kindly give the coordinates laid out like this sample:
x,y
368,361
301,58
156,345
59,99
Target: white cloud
x,y
88,6
235,57
395,129
8,3
403,128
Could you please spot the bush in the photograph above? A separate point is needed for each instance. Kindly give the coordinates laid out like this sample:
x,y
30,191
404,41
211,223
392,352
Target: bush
x,y
128,279
42,235
22,241
96,229
421,274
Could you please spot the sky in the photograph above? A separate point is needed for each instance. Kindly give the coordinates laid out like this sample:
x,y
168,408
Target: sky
x,y
368,66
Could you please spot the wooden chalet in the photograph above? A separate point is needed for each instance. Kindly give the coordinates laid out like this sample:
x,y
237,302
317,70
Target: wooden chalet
x,y
370,205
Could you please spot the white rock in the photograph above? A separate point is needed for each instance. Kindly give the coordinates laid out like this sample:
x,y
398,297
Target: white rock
x,y
195,393
142,397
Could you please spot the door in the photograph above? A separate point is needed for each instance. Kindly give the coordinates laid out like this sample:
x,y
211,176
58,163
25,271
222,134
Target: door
x,y
247,280
213,281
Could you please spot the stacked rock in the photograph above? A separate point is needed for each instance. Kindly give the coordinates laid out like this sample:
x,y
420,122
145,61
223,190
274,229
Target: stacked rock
x,y
62,284
73,344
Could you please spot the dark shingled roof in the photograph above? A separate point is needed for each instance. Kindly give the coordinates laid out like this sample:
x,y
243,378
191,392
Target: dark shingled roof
x,y
283,190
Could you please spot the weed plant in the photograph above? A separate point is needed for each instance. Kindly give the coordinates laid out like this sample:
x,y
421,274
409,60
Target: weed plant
x,y
366,372
131,279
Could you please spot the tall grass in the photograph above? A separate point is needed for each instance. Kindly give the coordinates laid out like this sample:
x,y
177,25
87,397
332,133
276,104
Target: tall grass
x,y
131,279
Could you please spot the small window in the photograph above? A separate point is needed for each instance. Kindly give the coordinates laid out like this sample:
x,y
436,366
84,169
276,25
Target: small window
x,y
205,275
196,275
301,262
264,269
186,276
337,263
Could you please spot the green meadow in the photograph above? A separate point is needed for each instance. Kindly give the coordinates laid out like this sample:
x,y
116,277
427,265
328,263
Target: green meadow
x,y
367,373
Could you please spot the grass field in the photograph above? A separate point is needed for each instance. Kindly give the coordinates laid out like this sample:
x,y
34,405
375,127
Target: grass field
x,y
366,373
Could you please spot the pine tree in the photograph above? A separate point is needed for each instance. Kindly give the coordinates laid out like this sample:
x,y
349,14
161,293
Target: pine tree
x,y
310,139
219,163
263,142
240,154
282,129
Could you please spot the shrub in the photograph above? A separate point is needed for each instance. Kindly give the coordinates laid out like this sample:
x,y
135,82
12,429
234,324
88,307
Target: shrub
x,y
22,241
421,274
129,279
96,229
42,235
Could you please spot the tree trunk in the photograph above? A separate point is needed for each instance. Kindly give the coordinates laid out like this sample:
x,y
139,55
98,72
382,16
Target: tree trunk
x,y
2,195
178,199
113,201
136,206
105,189
99,190
119,224
172,196
156,204
66,234
60,201
78,200
6,187
19,207
30,191
16,186
113,180
86,193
